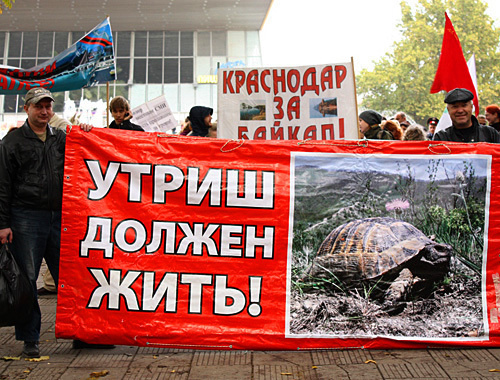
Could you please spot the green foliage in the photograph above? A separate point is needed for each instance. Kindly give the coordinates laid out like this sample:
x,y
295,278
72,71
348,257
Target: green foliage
x,y
401,79
6,4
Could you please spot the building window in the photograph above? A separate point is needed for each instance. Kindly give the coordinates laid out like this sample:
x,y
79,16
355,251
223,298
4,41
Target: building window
x,y
187,44
171,44
15,44
186,70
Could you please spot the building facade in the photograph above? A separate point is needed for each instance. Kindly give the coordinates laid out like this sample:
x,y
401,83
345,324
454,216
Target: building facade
x,y
182,65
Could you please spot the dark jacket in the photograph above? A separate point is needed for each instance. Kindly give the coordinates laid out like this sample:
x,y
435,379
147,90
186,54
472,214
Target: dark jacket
x,y
197,116
127,125
479,133
31,171
377,133
496,126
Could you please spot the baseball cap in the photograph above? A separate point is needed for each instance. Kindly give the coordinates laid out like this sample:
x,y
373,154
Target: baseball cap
x,y
36,94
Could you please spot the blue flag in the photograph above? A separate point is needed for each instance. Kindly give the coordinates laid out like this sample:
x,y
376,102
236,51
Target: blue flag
x,y
91,60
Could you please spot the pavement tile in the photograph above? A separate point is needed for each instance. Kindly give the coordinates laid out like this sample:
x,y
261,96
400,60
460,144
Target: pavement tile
x,y
220,358
288,372
350,371
471,369
416,370
45,373
300,358
105,360
16,372
167,373
494,351
386,356
160,350
322,357
162,360
85,373
459,355
232,372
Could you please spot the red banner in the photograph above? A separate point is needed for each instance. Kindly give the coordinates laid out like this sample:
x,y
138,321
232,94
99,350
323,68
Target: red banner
x,y
225,244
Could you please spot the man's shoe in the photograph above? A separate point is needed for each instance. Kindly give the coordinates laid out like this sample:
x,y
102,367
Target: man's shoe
x,y
31,349
77,344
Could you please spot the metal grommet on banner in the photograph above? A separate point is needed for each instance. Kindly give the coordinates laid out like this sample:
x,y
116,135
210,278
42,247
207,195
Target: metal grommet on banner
x,y
363,143
432,146
236,147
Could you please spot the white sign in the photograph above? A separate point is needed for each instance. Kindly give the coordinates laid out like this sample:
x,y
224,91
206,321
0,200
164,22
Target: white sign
x,y
309,102
154,116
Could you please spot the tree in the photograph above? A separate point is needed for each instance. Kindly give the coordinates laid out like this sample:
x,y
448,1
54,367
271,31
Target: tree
x,y
6,4
401,79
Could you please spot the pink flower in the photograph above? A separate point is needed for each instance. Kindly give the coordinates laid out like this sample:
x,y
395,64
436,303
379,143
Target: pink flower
x,y
397,205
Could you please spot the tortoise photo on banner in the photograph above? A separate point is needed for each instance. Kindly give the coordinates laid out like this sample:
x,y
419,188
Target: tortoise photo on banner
x,y
386,245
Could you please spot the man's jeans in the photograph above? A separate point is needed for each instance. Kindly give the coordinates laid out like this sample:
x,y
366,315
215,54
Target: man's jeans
x,y
36,235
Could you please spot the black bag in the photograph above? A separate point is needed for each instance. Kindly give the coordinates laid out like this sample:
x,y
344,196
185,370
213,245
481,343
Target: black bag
x,y
16,294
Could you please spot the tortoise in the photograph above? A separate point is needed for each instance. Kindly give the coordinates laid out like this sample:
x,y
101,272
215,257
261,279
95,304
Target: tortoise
x,y
378,250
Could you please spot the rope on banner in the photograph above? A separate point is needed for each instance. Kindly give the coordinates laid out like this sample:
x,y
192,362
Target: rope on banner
x,y
361,143
186,345
230,150
167,135
431,146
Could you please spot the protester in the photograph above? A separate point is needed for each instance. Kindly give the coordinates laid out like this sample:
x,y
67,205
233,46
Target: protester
x,y
414,132
493,116
393,127
432,123
186,127
369,126
400,117
482,119
465,127
120,110
212,131
31,184
201,120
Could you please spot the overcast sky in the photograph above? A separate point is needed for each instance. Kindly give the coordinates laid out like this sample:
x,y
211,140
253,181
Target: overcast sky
x,y
299,32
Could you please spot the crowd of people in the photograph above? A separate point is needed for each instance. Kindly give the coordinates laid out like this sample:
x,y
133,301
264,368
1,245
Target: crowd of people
x,y
465,126
31,185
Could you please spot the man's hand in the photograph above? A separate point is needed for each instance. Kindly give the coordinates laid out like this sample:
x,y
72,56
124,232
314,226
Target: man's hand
x,y
6,235
86,127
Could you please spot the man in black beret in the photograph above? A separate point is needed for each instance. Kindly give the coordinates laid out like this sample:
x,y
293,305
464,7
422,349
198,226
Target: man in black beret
x,y
465,127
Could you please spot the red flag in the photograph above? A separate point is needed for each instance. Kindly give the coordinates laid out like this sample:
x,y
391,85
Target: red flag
x,y
452,71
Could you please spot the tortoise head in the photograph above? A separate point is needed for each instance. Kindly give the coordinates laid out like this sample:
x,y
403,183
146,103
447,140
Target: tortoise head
x,y
434,261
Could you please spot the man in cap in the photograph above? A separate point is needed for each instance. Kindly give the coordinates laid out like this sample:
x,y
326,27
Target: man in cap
x,y
465,127
432,123
31,186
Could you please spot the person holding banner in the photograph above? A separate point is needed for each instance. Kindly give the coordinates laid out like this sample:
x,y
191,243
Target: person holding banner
x,y
369,126
201,120
120,110
465,127
31,187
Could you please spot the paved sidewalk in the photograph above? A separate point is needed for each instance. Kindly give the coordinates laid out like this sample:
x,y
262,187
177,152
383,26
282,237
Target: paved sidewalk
x,y
127,362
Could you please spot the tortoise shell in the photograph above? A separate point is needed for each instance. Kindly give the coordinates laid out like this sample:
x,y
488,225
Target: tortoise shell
x,y
368,248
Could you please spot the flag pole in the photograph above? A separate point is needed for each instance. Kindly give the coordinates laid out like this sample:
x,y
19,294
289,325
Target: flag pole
x,y
355,98
107,104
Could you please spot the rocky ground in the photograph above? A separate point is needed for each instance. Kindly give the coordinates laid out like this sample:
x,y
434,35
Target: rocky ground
x,y
451,310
